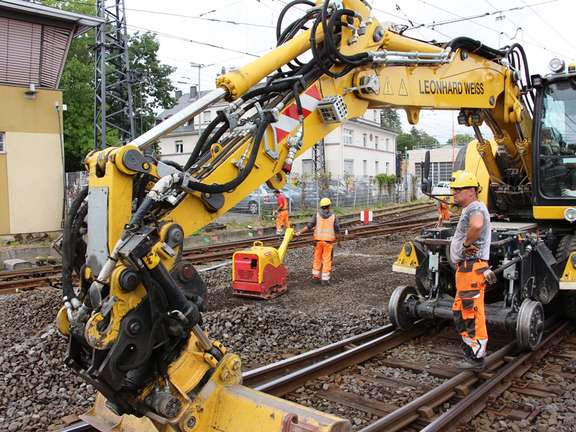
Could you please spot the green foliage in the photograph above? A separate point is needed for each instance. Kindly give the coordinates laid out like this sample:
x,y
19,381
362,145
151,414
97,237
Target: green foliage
x,y
151,91
460,139
391,119
416,138
384,180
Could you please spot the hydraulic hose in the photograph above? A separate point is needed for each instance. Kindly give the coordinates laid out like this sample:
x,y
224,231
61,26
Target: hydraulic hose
x,y
68,245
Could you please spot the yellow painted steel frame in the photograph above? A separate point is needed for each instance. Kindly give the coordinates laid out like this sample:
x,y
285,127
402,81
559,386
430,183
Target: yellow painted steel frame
x,y
222,404
407,261
568,279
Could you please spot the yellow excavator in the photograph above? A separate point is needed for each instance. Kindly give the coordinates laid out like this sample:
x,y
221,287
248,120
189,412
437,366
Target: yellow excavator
x,y
134,323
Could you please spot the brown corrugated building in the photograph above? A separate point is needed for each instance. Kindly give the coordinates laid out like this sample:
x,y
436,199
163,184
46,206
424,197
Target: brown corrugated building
x,y
34,41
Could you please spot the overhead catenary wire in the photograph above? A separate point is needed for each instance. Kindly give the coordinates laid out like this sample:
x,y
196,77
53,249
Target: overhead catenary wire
x,y
183,38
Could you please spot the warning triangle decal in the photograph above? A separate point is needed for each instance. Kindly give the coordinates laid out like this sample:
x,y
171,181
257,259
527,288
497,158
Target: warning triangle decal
x,y
388,88
403,91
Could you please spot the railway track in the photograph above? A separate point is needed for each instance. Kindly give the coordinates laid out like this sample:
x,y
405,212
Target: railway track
x,y
283,377
387,221
466,392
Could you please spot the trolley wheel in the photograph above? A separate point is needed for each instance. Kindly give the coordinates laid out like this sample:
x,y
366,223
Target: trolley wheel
x,y
530,324
397,310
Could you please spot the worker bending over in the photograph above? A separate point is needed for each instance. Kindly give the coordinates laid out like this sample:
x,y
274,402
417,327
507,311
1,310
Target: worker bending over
x,y
470,251
282,221
326,230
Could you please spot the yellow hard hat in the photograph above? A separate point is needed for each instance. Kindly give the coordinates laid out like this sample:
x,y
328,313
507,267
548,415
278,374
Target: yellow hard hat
x,y
325,202
463,179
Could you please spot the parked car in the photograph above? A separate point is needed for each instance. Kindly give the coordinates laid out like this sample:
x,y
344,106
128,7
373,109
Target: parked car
x,y
441,188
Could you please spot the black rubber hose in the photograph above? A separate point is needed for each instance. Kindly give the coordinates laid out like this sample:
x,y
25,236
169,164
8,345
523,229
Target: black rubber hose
x,y
68,246
285,10
205,133
201,187
476,47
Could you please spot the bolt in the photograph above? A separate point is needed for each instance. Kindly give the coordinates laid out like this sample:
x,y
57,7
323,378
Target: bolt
x,y
191,422
236,365
492,100
225,375
378,34
135,327
146,166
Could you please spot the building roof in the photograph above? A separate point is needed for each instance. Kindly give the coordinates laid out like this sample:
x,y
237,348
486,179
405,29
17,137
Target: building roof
x,y
182,102
81,22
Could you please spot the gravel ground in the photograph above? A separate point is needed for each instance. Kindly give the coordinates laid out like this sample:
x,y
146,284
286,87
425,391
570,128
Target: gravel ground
x,y
37,390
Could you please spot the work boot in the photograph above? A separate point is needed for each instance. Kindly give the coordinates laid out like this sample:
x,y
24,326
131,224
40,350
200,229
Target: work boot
x,y
325,283
471,363
316,281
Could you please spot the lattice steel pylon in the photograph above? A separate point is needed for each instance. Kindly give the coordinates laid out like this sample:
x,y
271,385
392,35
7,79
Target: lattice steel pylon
x,y
319,157
113,107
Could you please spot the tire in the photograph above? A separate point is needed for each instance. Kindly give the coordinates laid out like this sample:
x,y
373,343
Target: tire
x,y
399,316
253,207
530,324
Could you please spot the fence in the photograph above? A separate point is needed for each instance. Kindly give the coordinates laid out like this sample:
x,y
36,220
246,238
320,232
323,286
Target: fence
x,y
304,193
345,193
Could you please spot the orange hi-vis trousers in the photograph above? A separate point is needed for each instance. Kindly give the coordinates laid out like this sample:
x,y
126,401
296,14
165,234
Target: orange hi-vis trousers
x,y
282,220
444,212
468,307
322,260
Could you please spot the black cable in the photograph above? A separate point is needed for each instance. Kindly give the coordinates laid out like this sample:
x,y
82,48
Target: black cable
x,y
285,10
68,246
243,172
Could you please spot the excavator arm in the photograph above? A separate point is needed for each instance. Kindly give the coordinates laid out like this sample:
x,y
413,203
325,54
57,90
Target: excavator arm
x,y
134,324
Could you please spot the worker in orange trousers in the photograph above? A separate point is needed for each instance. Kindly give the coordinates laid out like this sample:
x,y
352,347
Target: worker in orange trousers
x,y
282,221
326,229
443,213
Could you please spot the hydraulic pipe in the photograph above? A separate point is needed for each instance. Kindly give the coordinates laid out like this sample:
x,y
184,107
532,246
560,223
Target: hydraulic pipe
x,y
178,118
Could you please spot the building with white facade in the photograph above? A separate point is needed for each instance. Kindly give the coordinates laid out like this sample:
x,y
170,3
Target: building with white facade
x,y
441,161
178,145
360,147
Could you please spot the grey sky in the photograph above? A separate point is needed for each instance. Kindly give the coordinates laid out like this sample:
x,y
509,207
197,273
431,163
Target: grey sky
x,y
544,29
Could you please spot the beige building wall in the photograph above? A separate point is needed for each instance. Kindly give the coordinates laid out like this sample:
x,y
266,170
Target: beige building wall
x,y
33,161
4,204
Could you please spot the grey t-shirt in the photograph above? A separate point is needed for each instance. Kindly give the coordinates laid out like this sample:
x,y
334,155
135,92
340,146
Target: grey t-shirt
x,y
483,242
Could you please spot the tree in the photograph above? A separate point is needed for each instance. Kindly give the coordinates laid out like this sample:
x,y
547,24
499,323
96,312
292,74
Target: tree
x,y
460,139
405,142
391,119
152,89
416,138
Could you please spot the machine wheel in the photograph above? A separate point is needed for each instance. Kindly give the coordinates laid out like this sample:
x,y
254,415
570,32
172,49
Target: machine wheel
x,y
530,324
397,311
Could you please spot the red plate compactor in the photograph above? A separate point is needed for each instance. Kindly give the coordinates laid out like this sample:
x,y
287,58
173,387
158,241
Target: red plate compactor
x,y
259,272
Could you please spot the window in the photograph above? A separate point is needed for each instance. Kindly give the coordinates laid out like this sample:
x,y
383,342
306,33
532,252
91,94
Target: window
x,y
558,142
387,144
364,168
348,166
307,166
207,116
387,166
364,139
347,136
375,112
2,142
179,146
376,142
376,167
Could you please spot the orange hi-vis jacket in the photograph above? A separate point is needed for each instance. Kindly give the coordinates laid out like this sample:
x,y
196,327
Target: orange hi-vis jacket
x,y
324,229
